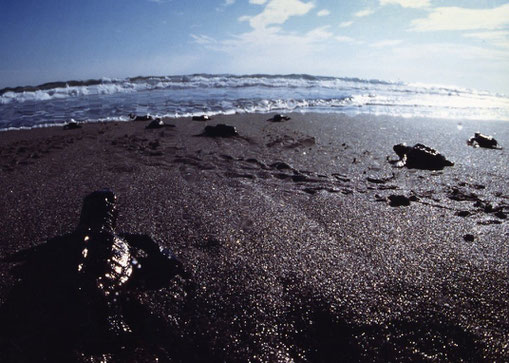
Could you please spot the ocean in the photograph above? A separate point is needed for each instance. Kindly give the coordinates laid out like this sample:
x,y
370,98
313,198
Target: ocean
x,y
53,104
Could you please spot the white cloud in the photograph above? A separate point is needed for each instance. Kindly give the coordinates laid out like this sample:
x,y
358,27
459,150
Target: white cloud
x,y
257,2
203,39
455,18
497,38
345,24
407,3
321,33
225,4
258,47
323,12
277,12
441,63
387,43
494,35
267,36
363,13
345,39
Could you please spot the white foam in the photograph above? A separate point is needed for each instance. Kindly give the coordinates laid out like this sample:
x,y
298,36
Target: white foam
x,y
177,96
111,86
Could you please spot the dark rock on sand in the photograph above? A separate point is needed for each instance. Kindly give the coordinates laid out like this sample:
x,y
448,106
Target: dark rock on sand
x,y
279,118
400,200
202,118
134,117
500,214
300,178
463,213
487,207
420,156
469,237
77,292
220,130
485,141
72,125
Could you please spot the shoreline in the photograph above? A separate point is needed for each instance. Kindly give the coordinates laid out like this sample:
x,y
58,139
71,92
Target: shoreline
x,y
301,261
328,114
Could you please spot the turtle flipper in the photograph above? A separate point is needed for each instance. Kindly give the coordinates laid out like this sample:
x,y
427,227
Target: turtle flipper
x,y
154,266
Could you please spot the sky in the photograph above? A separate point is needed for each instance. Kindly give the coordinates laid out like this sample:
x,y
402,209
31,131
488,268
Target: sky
x,y
448,42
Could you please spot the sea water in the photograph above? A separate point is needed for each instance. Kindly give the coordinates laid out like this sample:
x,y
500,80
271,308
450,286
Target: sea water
x,y
184,96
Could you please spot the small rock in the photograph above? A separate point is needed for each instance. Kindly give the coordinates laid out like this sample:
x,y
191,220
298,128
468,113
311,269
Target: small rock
x,y
220,130
398,200
463,213
310,190
501,215
300,178
469,237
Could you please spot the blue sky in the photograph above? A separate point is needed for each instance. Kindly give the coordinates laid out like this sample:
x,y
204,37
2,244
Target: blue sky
x,y
454,42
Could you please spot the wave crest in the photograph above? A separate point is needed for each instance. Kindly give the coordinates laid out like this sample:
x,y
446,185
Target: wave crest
x,y
106,86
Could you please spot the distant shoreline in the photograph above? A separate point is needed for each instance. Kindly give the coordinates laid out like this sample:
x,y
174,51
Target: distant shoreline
x,y
186,96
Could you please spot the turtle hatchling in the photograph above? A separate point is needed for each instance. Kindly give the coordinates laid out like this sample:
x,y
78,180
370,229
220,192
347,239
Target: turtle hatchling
x,y
83,286
480,140
279,118
420,156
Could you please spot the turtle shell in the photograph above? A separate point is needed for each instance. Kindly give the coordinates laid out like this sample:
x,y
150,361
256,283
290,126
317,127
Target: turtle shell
x,y
420,156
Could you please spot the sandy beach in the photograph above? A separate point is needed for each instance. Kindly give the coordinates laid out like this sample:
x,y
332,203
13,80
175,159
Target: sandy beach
x,y
292,249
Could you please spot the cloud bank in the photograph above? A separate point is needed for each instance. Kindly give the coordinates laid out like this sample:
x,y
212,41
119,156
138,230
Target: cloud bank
x,y
407,3
277,12
455,18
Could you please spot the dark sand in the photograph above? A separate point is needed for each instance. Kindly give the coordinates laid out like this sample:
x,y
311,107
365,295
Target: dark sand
x,y
310,263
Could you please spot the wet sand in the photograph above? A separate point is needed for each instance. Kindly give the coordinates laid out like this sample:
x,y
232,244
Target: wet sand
x,y
293,247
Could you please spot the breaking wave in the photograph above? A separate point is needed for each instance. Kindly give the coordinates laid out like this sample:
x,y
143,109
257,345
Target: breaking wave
x,y
113,99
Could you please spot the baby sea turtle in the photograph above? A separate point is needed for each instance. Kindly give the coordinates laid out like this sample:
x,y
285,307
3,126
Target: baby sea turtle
x,y
80,290
279,118
118,253
72,125
480,140
220,130
110,263
133,117
157,124
420,156
202,118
